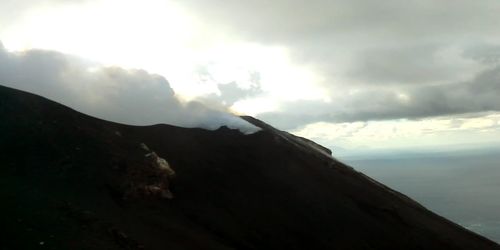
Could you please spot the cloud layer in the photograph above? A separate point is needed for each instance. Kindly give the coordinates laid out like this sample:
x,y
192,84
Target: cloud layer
x,y
378,60
477,95
291,62
122,95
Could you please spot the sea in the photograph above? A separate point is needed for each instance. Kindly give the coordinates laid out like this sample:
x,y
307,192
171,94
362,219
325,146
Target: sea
x,y
462,186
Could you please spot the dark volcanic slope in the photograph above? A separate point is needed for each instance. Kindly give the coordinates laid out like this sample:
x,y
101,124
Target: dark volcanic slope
x,y
70,181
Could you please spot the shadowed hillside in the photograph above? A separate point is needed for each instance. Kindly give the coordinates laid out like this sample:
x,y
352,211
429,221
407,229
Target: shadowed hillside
x,y
70,181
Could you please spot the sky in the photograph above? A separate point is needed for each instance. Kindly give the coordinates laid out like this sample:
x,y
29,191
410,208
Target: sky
x,y
352,75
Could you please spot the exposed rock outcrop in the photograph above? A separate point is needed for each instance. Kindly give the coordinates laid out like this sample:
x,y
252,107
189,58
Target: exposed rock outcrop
x,y
149,180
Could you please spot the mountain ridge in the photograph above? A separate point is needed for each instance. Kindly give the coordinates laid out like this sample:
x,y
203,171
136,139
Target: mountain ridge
x,y
67,180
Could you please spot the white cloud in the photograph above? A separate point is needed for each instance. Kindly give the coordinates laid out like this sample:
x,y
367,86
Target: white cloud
x,y
122,95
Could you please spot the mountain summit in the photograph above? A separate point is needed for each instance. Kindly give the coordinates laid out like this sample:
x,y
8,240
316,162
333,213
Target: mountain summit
x,y
71,181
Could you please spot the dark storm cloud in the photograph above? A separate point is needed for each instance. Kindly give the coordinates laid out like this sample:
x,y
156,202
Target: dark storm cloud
x,y
413,102
111,93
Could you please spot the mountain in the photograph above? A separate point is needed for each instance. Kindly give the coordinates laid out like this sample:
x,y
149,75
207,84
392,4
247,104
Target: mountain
x,y
71,181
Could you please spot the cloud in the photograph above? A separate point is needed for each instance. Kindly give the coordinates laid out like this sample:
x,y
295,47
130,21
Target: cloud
x,y
377,60
128,96
414,102
417,64
364,60
229,93
285,19
336,35
484,53
437,131
13,10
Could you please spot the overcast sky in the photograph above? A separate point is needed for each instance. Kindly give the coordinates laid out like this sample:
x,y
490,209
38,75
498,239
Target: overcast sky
x,y
348,73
